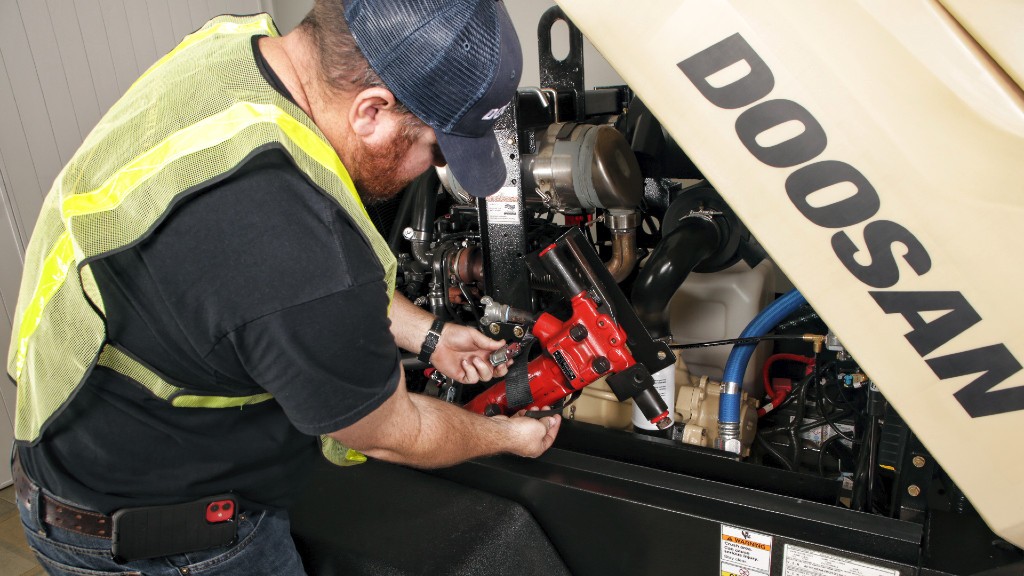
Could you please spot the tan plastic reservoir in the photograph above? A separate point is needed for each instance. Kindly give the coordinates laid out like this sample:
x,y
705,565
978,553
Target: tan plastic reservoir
x,y
719,306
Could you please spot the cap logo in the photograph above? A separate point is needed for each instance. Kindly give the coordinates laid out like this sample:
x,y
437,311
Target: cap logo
x,y
495,113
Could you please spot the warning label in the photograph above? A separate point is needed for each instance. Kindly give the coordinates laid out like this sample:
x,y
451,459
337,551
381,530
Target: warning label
x,y
803,562
745,553
503,206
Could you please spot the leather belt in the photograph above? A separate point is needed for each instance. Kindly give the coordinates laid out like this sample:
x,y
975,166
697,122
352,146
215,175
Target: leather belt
x,y
58,514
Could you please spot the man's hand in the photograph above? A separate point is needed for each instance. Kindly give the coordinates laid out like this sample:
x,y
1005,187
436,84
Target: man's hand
x,y
425,432
463,354
535,435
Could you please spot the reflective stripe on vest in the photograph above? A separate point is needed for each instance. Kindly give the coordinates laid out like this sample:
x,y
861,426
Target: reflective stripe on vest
x,y
118,361
191,119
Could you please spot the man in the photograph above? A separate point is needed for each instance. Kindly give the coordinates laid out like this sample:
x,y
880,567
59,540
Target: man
x,y
204,294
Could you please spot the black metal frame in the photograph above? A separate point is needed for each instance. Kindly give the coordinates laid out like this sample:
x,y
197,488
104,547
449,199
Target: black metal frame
x,y
609,502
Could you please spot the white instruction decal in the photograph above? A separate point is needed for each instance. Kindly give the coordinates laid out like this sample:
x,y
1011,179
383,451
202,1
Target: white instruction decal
x,y
745,553
503,206
803,562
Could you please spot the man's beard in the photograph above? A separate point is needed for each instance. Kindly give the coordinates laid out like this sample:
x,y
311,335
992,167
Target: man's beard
x,y
374,169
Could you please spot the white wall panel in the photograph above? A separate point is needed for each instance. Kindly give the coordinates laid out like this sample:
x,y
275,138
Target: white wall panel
x,y
10,259
119,38
67,32
199,11
53,81
180,17
140,30
10,263
32,145
288,13
97,48
164,36
17,166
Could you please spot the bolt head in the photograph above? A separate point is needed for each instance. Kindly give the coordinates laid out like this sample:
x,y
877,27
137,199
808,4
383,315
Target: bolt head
x,y
918,461
662,355
494,328
517,331
914,490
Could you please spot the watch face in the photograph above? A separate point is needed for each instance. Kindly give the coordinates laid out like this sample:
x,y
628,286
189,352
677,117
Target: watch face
x,y
429,343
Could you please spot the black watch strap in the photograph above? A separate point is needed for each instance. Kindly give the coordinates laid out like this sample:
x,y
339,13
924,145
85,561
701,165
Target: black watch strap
x,y
430,342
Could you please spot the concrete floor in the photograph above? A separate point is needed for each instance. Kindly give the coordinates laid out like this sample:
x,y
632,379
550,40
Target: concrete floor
x,y
16,558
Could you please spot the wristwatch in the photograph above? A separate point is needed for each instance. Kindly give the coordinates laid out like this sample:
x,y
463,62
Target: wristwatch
x,y
430,342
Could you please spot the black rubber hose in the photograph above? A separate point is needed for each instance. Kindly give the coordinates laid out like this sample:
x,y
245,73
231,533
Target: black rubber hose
x,y
859,500
772,451
424,208
424,205
674,258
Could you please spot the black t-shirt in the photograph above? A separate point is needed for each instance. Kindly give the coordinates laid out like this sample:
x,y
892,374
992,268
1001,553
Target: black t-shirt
x,y
259,283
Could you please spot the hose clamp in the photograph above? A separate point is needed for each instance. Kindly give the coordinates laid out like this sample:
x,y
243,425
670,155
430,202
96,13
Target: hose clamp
x,y
410,234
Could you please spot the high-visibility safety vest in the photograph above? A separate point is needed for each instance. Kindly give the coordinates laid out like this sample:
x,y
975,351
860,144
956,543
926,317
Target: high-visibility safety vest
x,y
194,117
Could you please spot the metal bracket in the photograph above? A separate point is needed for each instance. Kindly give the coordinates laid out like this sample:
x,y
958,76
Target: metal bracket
x,y
564,74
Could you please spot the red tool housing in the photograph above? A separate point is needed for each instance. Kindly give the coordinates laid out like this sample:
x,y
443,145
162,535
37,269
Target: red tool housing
x,y
576,353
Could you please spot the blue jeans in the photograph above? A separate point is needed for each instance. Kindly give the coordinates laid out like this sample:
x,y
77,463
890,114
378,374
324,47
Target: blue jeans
x,y
264,547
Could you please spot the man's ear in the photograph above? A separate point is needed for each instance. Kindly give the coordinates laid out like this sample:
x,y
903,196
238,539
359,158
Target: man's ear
x,y
372,114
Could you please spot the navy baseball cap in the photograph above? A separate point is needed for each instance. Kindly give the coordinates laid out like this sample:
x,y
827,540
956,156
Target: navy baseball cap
x,y
455,64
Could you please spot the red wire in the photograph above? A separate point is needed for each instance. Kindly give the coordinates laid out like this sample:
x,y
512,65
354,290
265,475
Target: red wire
x,y
777,398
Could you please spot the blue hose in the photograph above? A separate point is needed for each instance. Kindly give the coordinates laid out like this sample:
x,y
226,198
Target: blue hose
x,y
736,365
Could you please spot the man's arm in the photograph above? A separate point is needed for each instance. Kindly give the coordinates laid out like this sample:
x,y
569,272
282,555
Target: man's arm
x,y
461,353
420,431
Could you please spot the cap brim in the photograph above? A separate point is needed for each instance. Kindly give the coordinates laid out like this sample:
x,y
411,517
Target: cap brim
x,y
476,163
